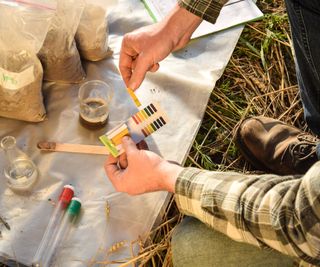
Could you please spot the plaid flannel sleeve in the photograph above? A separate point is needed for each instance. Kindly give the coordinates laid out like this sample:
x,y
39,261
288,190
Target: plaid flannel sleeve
x,y
207,9
269,211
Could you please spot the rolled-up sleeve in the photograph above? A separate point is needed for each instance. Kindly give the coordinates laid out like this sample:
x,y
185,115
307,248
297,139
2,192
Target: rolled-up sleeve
x,y
269,211
206,9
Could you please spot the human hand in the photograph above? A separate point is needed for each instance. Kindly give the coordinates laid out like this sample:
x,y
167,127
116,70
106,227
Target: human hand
x,y
143,49
142,171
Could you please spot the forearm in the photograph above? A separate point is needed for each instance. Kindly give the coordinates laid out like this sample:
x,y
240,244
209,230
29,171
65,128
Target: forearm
x,y
206,9
179,25
264,210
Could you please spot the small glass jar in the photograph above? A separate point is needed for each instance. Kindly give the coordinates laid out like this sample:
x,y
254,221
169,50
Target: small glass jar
x,y
19,169
95,97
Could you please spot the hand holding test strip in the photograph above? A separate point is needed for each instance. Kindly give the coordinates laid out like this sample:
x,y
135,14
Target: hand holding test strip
x,y
139,126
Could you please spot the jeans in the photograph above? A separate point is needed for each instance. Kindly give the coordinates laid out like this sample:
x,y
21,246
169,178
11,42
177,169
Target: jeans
x,y
304,17
194,244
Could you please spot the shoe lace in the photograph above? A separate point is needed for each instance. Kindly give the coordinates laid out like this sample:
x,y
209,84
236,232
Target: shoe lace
x,y
302,150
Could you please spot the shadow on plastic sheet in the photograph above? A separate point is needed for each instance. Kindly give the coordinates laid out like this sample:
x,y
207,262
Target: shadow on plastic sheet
x,y
183,90
192,50
5,262
121,25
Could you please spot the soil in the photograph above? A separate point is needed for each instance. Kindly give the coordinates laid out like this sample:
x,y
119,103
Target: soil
x,y
24,103
60,58
92,34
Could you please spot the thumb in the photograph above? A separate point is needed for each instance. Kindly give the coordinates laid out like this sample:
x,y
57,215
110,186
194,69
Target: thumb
x,y
139,72
128,145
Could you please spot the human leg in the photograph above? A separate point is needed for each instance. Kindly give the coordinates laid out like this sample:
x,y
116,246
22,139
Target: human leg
x,y
194,244
271,145
304,17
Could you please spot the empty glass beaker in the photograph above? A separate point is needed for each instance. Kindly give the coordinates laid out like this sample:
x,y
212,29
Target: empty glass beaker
x,y
19,169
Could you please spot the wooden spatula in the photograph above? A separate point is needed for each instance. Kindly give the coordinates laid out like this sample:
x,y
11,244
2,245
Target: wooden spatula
x,y
72,148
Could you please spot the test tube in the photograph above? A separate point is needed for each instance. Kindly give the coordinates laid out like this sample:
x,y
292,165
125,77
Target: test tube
x,y
64,228
53,225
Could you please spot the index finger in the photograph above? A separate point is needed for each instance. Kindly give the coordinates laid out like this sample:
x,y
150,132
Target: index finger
x,y
127,56
111,167
125,66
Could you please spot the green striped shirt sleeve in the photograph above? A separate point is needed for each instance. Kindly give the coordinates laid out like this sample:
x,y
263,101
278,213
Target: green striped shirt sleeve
x,y
268,211
206,9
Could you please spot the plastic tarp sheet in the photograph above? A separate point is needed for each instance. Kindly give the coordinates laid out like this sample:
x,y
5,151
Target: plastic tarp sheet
x,y
182,86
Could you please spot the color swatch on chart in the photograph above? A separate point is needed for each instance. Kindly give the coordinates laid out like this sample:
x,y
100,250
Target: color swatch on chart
x,y
146,121
139,126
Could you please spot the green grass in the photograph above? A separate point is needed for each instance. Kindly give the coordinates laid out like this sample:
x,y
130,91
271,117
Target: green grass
x,y
259,80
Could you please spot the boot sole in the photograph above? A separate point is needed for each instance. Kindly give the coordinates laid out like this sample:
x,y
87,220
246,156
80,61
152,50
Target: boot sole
x,y
246,152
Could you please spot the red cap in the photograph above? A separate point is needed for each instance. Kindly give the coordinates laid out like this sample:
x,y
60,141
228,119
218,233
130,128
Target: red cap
x,y
66,194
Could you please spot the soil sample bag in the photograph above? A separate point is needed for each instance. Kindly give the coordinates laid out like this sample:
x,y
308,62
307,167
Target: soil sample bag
x,y
92,33
59,55
23,27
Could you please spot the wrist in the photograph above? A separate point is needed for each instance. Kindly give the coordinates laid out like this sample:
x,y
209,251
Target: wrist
x,y
169,175
181,24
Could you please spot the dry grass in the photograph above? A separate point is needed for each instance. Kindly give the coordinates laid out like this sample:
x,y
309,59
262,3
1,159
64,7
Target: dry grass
x,y
259,80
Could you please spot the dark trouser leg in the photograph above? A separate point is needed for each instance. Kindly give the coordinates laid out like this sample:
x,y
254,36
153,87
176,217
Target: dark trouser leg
x,y
304,16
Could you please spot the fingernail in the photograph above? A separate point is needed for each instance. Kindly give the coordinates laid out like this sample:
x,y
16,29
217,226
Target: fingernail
x,y
125,138
133,86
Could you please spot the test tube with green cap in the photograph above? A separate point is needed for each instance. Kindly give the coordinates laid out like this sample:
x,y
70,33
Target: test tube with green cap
x,y
67,222
53,225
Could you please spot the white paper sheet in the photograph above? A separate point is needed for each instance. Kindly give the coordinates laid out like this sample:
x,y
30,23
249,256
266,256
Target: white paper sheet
x,y
229,15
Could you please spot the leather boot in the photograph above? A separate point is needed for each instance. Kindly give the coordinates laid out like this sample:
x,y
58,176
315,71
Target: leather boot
x,y
276,147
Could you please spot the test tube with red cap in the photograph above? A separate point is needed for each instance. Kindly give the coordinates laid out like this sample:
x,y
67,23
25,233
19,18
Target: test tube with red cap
x,y
53,225
61,235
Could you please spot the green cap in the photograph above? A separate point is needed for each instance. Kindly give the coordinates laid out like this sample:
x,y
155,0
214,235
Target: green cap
x,y
74,206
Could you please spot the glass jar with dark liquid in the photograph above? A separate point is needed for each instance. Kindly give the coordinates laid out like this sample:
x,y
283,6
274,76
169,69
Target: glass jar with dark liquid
x,y
95,97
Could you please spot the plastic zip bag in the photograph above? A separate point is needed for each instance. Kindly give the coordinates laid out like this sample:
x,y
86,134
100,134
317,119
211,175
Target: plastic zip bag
x,y
92,34
59,55
23,27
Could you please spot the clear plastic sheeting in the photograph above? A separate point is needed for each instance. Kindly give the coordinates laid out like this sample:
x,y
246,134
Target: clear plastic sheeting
x,y
182,86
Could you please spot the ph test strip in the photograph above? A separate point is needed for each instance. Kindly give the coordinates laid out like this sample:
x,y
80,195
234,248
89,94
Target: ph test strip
x,y
112,139
134,97
139,126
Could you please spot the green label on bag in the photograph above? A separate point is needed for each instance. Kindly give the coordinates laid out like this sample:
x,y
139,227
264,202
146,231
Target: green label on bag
x,y
14,80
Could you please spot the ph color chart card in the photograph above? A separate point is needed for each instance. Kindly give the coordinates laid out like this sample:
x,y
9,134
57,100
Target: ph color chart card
x,y
139,126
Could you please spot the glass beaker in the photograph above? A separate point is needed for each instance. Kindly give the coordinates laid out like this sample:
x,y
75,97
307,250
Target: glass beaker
x,y
95,97
19,169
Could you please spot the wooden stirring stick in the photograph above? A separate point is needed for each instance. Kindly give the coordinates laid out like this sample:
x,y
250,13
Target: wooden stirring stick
x,y
72,148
